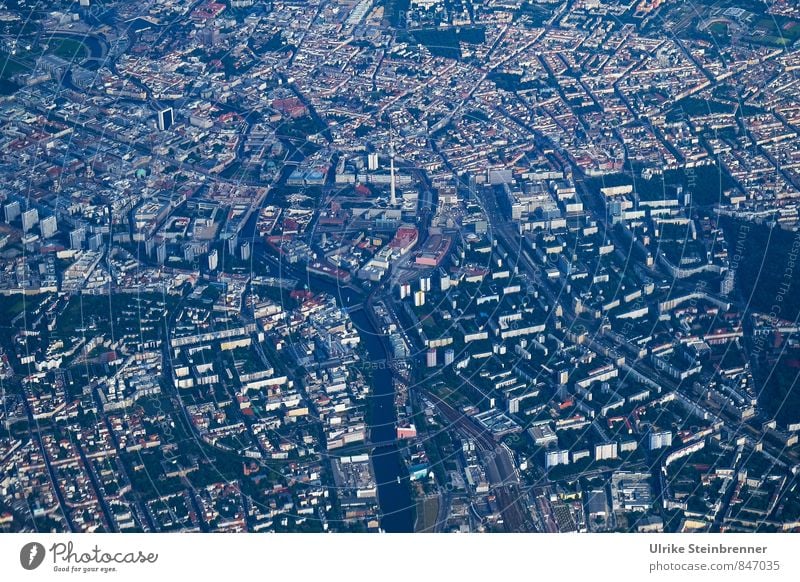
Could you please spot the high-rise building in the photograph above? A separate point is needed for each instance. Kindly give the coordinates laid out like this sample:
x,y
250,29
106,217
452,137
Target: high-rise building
x,y
419,298
161,253
48,227
449,356
210,36
213,260
659,439
609,450
12,211
430,358
405,290
96,241
444,280
29,219
555,458
372,161
76,239
244,251
165,119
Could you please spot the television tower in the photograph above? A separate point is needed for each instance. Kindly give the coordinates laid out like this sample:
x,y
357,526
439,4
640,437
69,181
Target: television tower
x,y
392,192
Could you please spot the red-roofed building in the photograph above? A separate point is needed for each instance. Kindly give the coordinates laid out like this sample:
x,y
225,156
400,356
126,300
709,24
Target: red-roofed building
x,y
434,251
404,239
208,11
291,107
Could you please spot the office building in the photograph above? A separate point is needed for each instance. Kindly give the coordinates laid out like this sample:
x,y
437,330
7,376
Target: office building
x,y
372,161
165,119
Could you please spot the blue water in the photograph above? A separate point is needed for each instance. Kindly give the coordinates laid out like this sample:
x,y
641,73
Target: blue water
x,y
394,498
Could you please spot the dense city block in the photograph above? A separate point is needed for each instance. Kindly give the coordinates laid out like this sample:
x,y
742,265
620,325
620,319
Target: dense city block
x,y
399,265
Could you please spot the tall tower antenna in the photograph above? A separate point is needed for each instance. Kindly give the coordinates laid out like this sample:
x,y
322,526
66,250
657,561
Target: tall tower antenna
x,y
392,192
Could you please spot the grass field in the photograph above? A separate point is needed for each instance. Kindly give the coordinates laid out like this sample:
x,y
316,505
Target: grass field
x,y
67,48
427,513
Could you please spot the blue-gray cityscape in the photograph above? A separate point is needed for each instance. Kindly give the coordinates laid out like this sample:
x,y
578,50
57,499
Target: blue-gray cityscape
x,y
399,266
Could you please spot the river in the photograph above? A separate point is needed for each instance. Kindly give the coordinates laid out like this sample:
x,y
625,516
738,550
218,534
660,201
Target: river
x,y
394,497
391,474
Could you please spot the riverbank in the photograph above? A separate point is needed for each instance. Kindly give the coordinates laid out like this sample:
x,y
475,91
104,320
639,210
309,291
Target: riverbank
x,y
391,474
